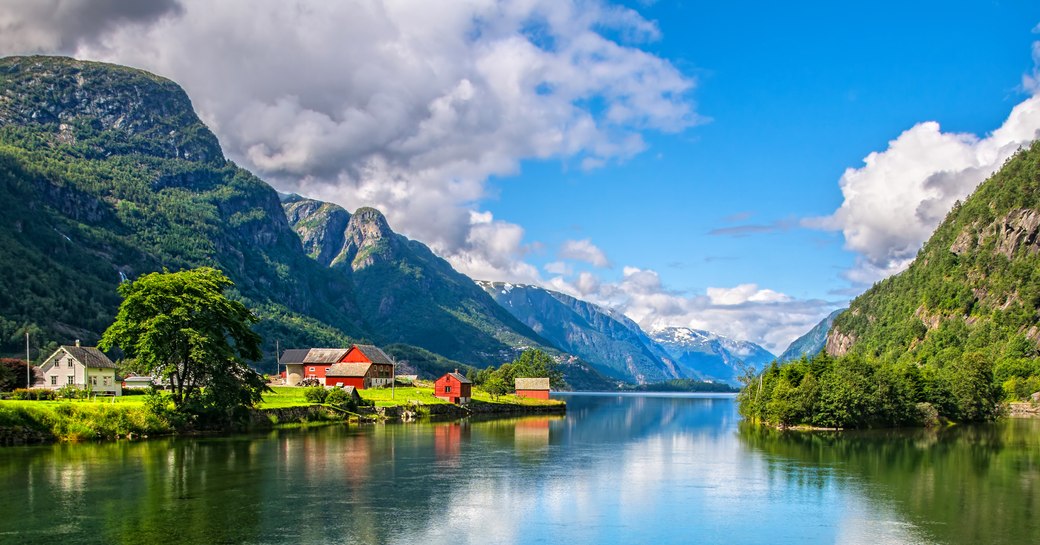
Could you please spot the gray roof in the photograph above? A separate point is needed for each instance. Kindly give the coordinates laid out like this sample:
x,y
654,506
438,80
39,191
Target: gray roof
x,y
294,355
532,384
325,355
90,357
459,377
373,353
348,369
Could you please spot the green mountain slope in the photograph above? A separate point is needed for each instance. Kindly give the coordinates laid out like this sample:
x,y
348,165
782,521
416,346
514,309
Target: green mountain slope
x,y
405,292
108,174
949,337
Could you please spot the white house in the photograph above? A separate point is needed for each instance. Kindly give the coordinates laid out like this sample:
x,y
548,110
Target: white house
x,y
81,366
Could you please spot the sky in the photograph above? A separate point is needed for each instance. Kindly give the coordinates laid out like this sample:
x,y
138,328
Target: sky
x,y
740,167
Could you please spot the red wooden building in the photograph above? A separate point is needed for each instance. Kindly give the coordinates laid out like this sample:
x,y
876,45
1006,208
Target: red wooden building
x,y
363,366
453,387
318,363
536,388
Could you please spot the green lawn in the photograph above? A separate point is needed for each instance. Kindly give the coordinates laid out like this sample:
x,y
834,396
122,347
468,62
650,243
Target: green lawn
x,y
292,396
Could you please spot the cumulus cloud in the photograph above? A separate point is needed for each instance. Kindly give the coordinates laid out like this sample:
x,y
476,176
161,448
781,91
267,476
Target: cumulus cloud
x,y
405,106
896,200
585,251
45,26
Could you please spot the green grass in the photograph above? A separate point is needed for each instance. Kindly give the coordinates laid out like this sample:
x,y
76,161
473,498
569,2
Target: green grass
x,y
284,396
82,420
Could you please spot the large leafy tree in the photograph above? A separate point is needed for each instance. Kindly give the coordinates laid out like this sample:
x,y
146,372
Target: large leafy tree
x,y
182,327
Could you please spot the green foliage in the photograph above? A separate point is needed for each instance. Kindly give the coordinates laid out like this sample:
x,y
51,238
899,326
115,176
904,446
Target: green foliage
x,y
495,386
69,392
181,327
315,394
34,394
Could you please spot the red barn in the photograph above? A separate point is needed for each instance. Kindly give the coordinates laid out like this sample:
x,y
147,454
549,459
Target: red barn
x,y
536,388
363,366
453,387
317,363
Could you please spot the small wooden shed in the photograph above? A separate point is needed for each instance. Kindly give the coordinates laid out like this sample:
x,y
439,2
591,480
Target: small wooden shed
x,y
535,388
453,387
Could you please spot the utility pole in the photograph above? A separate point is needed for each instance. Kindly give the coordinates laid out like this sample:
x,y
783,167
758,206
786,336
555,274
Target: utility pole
x,y
393,377
278,360
28,362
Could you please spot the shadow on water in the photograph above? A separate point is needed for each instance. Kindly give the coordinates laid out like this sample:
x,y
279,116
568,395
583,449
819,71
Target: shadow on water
x,y
965,484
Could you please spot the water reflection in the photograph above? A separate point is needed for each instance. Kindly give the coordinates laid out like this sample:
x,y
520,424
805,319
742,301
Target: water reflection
x,y
616,469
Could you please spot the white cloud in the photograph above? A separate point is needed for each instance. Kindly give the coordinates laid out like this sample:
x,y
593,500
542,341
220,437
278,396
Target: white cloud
x,y
585,251
897,199
405,106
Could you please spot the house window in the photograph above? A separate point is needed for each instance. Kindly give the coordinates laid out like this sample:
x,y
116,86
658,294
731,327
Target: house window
x,y
447,389
54,380
70,362
326,369
107,381
312,369
93,381
72,379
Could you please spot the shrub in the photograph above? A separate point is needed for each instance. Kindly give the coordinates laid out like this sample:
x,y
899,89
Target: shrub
x,y
337,397
33,394
136,391
69,392
315,394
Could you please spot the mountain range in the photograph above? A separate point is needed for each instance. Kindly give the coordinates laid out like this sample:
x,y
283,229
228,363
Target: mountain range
x,y
617,347
110,174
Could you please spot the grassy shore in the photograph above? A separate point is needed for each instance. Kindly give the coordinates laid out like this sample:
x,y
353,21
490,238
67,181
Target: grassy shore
x,y
403,396
79,420
108,418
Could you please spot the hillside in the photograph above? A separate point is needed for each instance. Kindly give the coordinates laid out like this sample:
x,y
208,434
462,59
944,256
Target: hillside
x,y
109,174
949,337
813,341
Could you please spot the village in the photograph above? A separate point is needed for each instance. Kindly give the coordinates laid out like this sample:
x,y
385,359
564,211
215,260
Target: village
x,y
364,372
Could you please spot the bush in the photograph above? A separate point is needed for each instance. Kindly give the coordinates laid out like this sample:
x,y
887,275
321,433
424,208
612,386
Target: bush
x,y
337,396
33,394
136,391
69,392
315,394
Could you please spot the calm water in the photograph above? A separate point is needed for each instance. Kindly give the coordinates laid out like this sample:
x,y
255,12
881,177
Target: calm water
x,y
616,469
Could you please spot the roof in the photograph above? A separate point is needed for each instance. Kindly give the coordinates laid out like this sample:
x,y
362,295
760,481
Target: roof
x,y
532,383
325,355
90,357
373,353
294,355
348,370
459,377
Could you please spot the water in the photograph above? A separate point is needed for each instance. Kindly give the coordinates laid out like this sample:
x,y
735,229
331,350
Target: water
x,y
616,469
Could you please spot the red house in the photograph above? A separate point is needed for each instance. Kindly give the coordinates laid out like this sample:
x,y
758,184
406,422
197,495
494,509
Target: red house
x,y
317,363
363,366
453,387
536,388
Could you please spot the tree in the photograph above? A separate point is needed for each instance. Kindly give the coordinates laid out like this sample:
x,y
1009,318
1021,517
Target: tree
x,y
12,374
495,386
534,363
181,326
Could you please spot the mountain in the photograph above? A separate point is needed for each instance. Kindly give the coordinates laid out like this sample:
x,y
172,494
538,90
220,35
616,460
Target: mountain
x,y
974,286
949,338
405,292
108,173
612,343
705,354
812,342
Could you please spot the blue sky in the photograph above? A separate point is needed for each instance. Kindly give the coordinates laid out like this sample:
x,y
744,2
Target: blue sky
x,y
689,163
